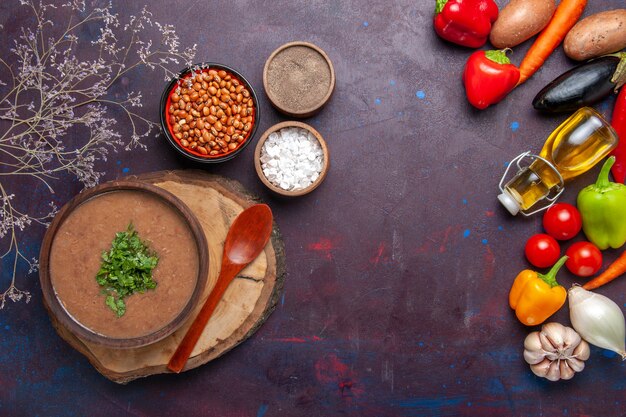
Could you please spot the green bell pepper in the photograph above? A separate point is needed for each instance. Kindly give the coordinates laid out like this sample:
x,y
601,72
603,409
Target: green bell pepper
x,y
603,209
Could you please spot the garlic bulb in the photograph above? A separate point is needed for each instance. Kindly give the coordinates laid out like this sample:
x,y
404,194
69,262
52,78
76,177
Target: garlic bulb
x,y
598,319
556,352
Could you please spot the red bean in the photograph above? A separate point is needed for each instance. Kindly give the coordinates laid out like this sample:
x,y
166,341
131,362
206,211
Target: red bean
x,y
213,115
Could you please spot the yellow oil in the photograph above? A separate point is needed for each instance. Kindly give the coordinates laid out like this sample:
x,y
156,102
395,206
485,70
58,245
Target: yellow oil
x,y
532,184
573,148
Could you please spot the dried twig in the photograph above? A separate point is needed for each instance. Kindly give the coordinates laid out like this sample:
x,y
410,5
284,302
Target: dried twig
x,y
50,92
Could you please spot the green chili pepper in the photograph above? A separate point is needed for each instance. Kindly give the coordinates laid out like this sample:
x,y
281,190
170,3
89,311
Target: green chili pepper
x,y
603,209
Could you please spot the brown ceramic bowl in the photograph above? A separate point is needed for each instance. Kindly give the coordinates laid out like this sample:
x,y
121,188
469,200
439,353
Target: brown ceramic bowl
x,y
299,79
71,256
278,190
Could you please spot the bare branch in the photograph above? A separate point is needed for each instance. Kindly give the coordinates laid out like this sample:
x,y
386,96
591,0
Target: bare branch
x,y
52,92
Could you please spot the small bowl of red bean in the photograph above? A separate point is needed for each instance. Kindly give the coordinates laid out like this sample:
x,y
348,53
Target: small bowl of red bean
x,y
209,113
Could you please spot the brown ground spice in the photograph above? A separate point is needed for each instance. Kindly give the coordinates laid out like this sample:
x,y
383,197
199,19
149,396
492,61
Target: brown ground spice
x,y
298,79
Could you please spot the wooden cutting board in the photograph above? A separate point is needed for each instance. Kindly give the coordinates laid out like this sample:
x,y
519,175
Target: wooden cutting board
x,y
247,303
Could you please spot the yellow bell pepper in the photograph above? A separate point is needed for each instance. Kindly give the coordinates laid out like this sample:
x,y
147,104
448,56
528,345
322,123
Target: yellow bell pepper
x,y
535,296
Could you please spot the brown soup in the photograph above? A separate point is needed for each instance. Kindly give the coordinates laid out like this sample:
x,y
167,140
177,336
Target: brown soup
x,y
88,231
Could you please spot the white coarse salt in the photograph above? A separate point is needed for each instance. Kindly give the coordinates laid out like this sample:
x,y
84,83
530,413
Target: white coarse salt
x,y
292,158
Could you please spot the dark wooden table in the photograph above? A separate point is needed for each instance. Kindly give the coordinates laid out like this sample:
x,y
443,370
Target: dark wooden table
x,y
399,265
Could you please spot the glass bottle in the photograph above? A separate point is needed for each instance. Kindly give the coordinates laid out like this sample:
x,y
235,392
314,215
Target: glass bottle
x,y
573,148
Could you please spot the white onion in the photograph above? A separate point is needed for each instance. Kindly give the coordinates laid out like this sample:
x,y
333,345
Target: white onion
x,y
598,320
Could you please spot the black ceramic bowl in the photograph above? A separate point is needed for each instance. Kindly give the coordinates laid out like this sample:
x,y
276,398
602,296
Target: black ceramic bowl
x,y
195,155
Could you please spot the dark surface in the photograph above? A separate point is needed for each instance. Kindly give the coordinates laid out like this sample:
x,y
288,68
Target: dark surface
x,y
399,265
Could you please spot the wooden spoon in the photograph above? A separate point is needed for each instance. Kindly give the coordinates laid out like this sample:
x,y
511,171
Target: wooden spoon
x,y
246,238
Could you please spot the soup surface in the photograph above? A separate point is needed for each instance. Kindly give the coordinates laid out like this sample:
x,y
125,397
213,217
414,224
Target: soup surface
x,y
88,231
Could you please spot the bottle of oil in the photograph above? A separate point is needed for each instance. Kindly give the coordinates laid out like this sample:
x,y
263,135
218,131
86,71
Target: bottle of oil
x,y
574,147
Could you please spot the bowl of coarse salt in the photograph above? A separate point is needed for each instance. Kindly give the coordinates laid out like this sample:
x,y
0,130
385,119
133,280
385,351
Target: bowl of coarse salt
x,y
291,158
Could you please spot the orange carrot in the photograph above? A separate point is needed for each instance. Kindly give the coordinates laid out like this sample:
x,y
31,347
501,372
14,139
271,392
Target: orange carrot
x,y
614,270
565,17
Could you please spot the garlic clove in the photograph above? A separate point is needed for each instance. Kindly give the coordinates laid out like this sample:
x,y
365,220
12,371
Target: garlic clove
x,y
571,337
582,351
533,353
541,369
554,333
571,340
554,371
546,344
532,342
576,364
533,357
565,371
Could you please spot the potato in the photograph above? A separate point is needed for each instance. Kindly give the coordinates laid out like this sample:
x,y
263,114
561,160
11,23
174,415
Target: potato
x,y
596,35
520,20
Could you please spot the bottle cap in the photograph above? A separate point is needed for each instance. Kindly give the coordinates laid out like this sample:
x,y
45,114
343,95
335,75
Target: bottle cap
x,y
509,202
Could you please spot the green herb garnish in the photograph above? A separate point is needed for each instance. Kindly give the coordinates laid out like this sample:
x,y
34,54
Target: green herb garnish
x,y
126,269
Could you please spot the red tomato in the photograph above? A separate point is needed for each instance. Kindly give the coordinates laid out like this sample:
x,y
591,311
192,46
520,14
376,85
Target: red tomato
x,y
542,250
562,221
585,259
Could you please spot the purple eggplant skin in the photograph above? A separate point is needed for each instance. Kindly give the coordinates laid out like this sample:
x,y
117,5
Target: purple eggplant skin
x,y
581,86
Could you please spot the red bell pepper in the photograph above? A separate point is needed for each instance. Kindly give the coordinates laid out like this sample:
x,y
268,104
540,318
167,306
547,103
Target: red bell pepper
x,y
619,124
488,77
465,22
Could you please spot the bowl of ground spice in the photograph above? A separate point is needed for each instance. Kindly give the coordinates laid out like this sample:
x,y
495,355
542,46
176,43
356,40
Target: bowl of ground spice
x,y
209,113
299,79
291,158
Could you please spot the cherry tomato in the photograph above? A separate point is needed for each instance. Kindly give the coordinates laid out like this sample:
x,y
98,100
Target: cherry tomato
x,y
562,221
542,250
585,259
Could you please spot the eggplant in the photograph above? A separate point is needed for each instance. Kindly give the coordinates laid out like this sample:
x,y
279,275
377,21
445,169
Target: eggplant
x,y
583,85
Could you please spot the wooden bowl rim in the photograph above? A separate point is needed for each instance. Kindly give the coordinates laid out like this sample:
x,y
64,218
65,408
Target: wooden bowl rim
x,y
55,306
307,112
257,158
